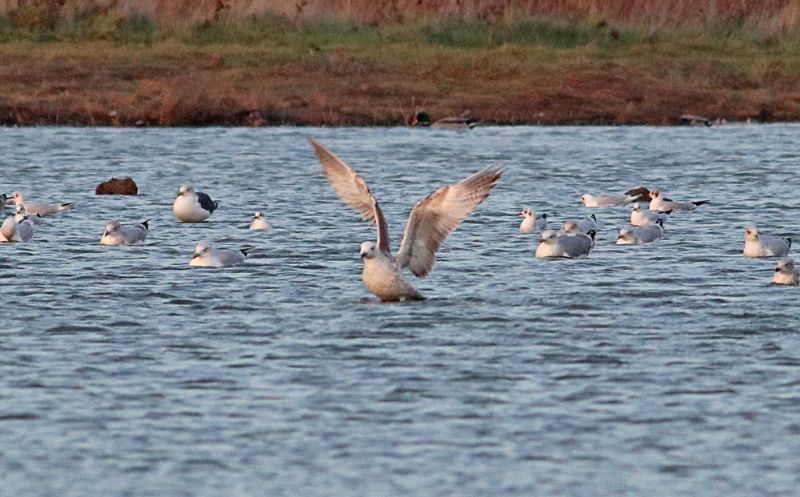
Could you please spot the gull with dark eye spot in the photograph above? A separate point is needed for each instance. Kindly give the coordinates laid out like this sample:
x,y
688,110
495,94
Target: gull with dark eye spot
x,y
33,208
579,227
259,222
589,200
431,222
553,245
207,256
191,206
646,217
757,244
117,234
786,273
532,223
644,234
659,203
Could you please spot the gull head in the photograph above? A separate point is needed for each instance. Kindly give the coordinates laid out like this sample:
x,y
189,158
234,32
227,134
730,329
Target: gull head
x,y
655,193
585,198
549,237
751,233
185,189
20,214
637,207
258,215
18,198
368,250
112,227
526,213
571,228
200,250
785,265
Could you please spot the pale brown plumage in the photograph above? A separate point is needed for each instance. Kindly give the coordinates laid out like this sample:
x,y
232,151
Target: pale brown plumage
x,y
431,221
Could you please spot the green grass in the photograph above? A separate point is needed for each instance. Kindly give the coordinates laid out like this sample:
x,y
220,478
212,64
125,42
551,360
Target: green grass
x,y
273,31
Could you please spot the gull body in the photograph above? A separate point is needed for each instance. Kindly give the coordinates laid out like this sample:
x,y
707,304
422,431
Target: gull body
x,y
646,217
191,206
40,209
206,256
21,213
16,231
645,234
757,244
430,223
553,245
786,273
259,222
660,203
589,200
117,234
531,223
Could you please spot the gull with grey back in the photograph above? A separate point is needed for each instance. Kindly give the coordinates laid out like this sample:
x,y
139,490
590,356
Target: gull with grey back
x,y
430,223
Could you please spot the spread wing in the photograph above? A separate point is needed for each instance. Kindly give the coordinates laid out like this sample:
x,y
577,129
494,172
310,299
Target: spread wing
x,y
433,219
353,191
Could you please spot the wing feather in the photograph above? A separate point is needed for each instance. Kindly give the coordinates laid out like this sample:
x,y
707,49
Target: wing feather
x,y
353,191
434,218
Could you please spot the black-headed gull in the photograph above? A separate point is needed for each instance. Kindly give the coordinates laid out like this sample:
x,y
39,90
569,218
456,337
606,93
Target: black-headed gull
x,y
532,223
40,209
646,217
786,273
117,234
580,227
645,234
660,203
589,200
206,256
757,244
553,245
430,223
259,222
191,206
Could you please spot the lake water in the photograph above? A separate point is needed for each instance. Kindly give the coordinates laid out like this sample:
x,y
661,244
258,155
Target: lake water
x,y
661,370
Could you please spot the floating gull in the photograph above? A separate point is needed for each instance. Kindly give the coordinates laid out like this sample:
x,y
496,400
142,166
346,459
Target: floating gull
x,y
259,222
606,200
531,223
33,209
581,227
191,206
758,245
661,204
116,234
553,245
646,217
205,256
645,234
430,223
16,229
786,273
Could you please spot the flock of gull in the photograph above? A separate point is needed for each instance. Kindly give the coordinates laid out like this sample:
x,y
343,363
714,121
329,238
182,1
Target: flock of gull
x,y
430,223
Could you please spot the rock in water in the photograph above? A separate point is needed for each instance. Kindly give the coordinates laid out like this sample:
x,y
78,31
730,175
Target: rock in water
x,y
117,186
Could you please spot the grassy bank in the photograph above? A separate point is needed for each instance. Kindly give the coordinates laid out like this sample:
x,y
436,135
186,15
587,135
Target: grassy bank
x,y
112,66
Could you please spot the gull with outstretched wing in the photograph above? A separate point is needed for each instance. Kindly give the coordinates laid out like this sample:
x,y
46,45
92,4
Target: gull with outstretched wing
x,y
430,223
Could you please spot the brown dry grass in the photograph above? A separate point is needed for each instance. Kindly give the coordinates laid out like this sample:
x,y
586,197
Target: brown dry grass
x,y
171,83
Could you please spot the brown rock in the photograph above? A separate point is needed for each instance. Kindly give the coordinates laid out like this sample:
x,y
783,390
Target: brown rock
x,y
117,186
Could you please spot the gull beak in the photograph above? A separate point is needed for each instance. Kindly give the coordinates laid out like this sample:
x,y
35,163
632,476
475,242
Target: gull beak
x,y
196,255
777,270
105,233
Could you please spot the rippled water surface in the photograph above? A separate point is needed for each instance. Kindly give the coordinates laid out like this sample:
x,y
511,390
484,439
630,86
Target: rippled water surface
x,y
667,369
